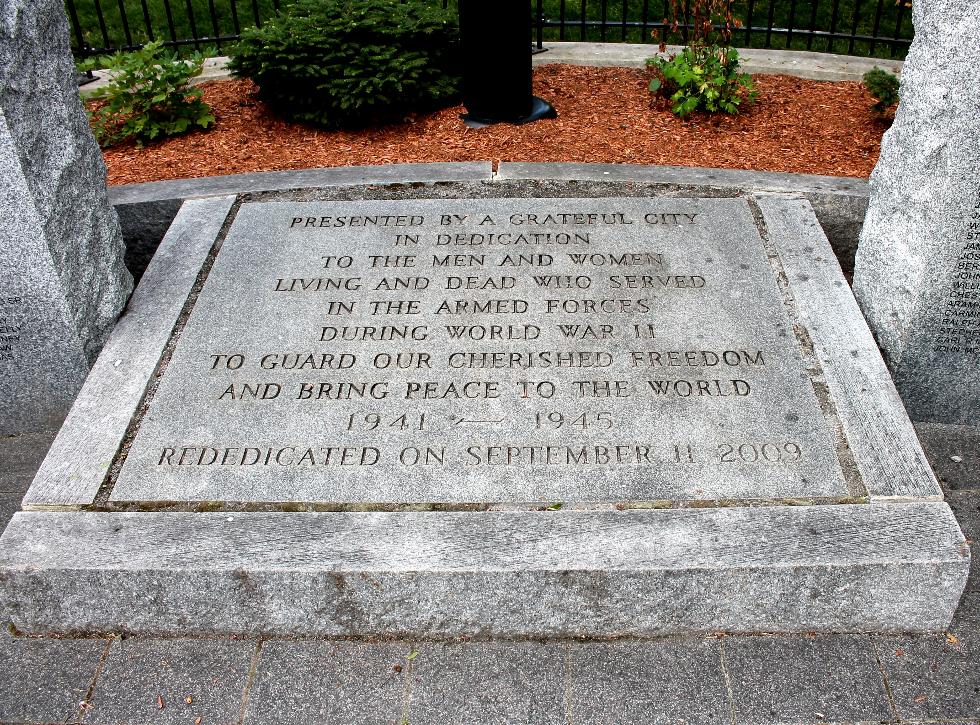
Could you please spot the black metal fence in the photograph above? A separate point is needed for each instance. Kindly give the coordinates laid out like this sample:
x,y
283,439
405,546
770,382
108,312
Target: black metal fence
x,y
878,28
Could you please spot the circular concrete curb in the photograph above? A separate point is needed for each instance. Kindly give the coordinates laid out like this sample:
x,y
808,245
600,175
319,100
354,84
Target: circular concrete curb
x,y
146,210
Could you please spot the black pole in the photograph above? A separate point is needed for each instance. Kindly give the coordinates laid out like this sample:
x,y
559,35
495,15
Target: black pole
x,y
497,63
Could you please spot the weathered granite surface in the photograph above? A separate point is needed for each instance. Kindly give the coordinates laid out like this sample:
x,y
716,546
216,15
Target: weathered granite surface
x,y
917,271
881,439
79,460
49,146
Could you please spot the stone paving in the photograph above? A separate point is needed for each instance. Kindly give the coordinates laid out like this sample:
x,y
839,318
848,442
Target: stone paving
x,y
744,680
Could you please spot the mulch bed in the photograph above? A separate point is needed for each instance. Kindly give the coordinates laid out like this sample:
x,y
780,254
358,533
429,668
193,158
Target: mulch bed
x,y
605,115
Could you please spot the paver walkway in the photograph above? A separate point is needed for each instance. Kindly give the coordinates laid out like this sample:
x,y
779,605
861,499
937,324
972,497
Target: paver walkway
x,y
748,680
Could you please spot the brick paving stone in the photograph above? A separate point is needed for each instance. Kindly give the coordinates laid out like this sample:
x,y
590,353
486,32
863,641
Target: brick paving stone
x,y
805,679
9,505
954,453
488,682
936,676
22,454
966,620
46,680
651,682
320,682
931,677
966,506
142,674
12,483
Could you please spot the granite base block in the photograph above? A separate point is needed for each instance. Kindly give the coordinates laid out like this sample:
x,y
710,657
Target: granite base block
x,y
804,504
894,567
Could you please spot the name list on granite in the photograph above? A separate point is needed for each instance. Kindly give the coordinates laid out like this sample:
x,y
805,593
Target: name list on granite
x,y
959,327
9,326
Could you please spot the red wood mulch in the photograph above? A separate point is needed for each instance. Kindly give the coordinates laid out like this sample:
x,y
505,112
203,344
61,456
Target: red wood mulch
x,y
605,115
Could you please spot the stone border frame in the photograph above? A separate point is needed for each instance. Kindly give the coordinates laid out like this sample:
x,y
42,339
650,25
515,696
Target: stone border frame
x,y
89,441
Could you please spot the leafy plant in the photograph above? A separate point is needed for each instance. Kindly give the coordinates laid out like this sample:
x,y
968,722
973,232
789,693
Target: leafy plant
x,y
882,85
705,78
706,74
148,96
349,63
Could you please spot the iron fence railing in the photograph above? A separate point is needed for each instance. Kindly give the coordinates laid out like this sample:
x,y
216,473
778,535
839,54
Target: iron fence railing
x,y
878,28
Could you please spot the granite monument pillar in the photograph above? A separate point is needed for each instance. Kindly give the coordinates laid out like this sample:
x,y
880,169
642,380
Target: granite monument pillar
x,y
62,278
917,271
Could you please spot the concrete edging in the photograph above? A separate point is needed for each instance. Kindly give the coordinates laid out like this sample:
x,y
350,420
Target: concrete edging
x,y
758,61
146,210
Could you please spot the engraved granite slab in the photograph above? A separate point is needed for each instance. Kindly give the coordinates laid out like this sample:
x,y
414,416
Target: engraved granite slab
x,y
490,350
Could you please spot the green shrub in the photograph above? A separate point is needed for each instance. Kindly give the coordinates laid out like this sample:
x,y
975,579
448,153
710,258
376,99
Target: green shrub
x,y
882,85
705,75
148,96
705,78
350,63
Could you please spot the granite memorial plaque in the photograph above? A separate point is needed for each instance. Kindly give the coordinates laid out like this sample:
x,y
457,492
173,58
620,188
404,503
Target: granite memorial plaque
x,y
480,351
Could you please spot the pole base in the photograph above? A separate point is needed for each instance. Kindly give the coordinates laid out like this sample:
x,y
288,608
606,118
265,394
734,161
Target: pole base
x,y
539,109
